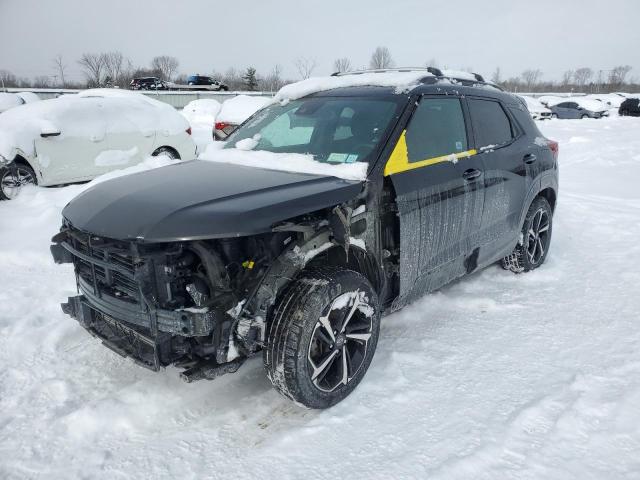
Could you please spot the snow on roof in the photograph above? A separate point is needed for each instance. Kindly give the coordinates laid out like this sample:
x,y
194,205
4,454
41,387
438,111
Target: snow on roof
x,y
237,109
288,162
402,81
85,115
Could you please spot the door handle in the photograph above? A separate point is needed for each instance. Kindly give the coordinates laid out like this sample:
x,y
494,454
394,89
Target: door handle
x,y
529,158
471,174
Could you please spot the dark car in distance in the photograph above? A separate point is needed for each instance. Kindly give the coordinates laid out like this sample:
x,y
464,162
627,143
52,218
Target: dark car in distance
x,y
148,83
202,80
630,108
203,264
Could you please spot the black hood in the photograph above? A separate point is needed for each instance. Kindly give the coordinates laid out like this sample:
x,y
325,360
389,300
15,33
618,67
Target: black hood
x,y
199,199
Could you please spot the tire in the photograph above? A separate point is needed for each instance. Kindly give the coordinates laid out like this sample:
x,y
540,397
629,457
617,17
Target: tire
x,y
299,345
554,115
8,187
584,116
532,250
166,151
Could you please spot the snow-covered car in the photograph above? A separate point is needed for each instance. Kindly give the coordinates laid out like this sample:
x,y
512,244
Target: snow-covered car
x,y
235,111
75,138
11,100
550,100
346,198
202,114
537,110
579,107
609,100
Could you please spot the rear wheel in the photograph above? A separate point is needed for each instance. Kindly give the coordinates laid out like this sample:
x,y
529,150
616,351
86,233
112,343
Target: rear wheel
x,y
532,250
13,178
584,116
322,337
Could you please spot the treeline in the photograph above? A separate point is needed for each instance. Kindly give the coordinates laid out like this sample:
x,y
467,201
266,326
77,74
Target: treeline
x,y
115,69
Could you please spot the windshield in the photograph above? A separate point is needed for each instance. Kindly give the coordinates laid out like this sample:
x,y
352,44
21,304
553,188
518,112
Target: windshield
x,y
331,129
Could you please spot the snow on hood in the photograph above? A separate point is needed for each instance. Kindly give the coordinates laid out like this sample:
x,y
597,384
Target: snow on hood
x,y
288,162
237,109
86,115
402,81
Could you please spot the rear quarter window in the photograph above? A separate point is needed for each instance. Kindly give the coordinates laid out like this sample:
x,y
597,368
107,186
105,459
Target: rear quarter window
x,y
490,123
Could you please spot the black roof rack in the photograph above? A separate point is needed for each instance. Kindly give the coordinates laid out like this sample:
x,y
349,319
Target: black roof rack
x,y
436,72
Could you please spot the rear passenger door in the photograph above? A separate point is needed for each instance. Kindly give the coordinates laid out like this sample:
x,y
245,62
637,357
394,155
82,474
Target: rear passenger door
x,y
506,154
439,194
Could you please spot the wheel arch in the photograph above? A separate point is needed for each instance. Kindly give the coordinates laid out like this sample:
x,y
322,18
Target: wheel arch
x,y
21,160
551,196
159,150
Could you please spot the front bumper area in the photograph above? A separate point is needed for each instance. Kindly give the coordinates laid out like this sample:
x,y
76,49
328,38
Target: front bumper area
x,y
126,340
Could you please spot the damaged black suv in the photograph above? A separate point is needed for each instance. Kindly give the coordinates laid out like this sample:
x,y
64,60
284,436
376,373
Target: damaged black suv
x,y
203,264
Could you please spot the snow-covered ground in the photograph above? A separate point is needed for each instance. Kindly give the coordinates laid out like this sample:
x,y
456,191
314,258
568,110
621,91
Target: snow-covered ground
x,y
497,376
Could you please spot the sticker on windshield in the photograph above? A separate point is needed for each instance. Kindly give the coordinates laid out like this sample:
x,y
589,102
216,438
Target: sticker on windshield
x,y
342,157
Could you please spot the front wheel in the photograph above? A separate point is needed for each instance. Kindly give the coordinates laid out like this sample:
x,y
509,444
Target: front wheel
x,y
322,336
13,178
532,250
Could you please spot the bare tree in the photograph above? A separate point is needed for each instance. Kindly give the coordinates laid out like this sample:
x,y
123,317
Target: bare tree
x,y
117,68
341,64
60,68
305,66
582,76
7,79
567,77
166,65
618,75
381,58
531,77
273,81
93,66
496,76
41,81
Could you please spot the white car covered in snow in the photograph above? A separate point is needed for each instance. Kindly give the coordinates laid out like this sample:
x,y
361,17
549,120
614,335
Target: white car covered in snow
x,y
75,138
537,110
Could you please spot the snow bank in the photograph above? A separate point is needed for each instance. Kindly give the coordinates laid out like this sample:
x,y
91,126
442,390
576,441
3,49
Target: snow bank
x,y
289,162
237,109
400,80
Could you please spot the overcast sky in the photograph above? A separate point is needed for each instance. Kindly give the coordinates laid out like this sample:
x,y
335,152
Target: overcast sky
x,y
206,35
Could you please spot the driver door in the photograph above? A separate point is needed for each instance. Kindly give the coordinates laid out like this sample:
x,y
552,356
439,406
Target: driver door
x,y
439,185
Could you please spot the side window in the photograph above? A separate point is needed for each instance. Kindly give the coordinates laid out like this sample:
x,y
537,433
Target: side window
x,y
562,105
490,122
573,105
436,129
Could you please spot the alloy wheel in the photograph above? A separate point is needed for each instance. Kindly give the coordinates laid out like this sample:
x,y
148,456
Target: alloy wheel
x,y
14,179
538,236
339,341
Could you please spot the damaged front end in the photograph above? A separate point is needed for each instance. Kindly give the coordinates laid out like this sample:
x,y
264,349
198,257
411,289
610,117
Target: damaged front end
x,y
198,305
164,304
